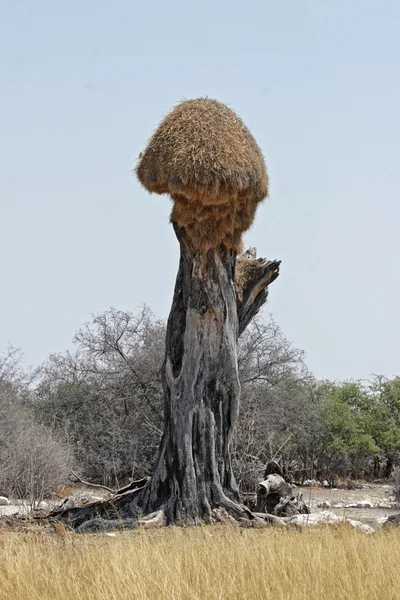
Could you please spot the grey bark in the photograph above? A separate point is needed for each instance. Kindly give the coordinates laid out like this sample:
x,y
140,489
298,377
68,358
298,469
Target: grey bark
x,y
201,390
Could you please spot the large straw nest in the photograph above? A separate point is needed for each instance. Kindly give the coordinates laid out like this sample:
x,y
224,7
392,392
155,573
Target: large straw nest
x,y
204,156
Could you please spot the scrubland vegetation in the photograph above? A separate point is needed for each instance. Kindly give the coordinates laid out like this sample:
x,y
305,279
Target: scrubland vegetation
x,y
98,408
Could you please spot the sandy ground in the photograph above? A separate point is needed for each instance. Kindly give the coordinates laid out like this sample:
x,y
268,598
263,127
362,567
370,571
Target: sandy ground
x,y
375,493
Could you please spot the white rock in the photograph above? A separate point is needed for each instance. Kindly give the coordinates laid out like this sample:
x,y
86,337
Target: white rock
x,y
353,523
367,528
325,484
4,501
378,522
325,516
365,504
324,504
361,526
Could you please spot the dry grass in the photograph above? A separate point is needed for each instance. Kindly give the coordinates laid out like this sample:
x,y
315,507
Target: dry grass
x,y
208,563
245,270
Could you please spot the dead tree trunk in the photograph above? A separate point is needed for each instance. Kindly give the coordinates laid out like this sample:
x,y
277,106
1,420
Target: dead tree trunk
x,y
193,475
201,389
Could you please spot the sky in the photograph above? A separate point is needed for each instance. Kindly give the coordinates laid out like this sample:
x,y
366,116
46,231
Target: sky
x,y
84,83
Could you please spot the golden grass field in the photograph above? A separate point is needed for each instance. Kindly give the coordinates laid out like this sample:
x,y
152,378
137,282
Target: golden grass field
x,y
214,562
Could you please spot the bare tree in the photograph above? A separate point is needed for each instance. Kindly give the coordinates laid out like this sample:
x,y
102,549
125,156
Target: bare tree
x,y
274,401
11,365
105,396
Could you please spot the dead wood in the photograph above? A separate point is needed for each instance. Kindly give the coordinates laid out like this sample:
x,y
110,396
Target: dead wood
x,y
252,288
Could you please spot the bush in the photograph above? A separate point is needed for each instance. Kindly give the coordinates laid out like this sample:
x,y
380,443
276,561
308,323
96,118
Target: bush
x,y
34,464
32,461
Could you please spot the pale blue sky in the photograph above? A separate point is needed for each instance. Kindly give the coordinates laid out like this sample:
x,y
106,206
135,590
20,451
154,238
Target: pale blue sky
x,y
82,86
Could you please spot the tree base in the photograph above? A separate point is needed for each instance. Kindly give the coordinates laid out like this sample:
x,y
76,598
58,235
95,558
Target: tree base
x,y
123,511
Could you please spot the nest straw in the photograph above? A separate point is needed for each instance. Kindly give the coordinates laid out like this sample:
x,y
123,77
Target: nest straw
x,y
204,156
